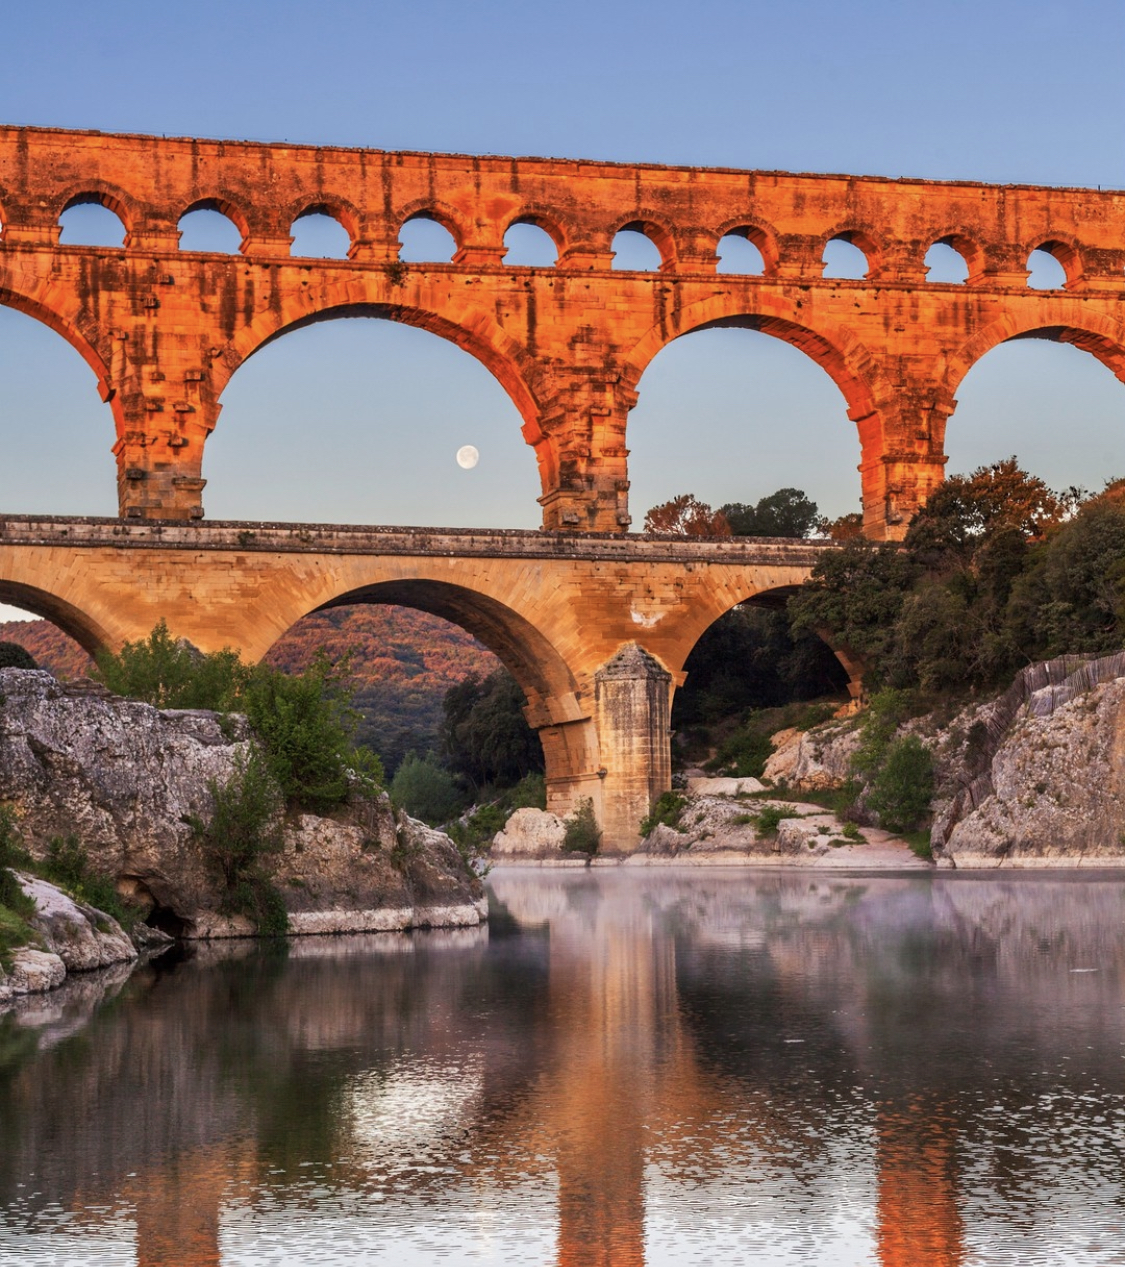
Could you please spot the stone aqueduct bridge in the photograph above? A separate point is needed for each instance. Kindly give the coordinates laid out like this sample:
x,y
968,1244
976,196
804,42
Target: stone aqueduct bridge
x,y
596,629
594,624
164,330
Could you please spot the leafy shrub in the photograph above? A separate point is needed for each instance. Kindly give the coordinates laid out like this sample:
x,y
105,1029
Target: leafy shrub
x,y
426,790
769,818
304,721
170,673
583,835
305,727
13,656
745,753
667,810
243,831
904,785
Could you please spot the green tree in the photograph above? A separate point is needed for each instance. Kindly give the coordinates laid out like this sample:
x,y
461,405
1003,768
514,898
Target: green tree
x,y
13,656
426,790
855,597
170,673
306,727
786,513
485,737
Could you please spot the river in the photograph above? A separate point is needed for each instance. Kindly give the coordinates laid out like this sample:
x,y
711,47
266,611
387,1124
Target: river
x,y
625,1068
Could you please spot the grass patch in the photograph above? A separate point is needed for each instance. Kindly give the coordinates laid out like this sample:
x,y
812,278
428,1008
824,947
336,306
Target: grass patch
x,y
14,933
68,865
744,752
919,842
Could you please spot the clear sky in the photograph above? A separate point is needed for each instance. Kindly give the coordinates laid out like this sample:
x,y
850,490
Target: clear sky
x,y
359,421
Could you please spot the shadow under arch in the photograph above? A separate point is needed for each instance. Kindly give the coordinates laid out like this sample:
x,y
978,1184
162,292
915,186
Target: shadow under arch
x,y
525,651
75,623
771,599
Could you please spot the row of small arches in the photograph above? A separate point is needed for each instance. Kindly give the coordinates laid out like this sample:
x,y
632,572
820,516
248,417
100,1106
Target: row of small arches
x,y
317,234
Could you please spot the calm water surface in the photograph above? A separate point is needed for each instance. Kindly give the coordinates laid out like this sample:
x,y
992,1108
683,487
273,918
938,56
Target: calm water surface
x,y
626,1069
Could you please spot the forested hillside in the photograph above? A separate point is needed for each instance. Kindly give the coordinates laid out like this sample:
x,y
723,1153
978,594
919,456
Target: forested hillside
x,y
401,663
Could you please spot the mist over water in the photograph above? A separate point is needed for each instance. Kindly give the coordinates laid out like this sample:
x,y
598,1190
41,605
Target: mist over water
x,y
625,1069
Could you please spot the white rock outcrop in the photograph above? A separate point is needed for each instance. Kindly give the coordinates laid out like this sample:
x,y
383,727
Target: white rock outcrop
x,y
811,760
128,780
1058,795
529,833
71,937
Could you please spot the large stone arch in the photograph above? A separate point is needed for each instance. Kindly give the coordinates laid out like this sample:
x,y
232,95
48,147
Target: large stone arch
x,y
78,623
869,397
49,306
471,329
564,726
1058,321
722,599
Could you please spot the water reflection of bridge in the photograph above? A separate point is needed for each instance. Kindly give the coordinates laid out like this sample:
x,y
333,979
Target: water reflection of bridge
x,y
640,1044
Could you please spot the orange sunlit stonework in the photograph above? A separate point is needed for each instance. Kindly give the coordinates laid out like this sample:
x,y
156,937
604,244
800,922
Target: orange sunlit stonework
x,y
164,330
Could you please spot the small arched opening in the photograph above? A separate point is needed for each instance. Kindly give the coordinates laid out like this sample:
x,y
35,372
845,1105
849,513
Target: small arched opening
x,y
945,264
740,253
845,259
205,227
89,220
424,239
529,245
318,234
1050,266
636,249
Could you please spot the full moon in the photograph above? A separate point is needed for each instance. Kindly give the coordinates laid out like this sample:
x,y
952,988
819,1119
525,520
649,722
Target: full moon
x,y
467,457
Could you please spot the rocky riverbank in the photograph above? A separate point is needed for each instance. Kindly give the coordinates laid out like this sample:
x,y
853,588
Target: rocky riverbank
x,y
1032,779
69,936
128,781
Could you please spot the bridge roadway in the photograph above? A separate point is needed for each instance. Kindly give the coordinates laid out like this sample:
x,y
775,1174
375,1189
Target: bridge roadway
x,y
596,628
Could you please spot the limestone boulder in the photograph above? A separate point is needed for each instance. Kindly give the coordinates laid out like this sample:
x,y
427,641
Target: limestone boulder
x,y
83,937
33,972
812,760
704,786
128,780
529,833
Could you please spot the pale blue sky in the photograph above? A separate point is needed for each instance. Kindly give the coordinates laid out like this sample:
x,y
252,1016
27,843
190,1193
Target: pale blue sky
x,y
358,421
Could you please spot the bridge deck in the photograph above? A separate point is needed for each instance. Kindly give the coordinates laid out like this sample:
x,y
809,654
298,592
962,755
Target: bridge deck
x,y
301,538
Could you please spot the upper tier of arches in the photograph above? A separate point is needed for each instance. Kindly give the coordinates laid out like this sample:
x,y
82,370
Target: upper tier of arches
x,y
265,192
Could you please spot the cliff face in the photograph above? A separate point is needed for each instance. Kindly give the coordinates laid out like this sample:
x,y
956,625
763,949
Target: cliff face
x,y
125,778
1057,795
